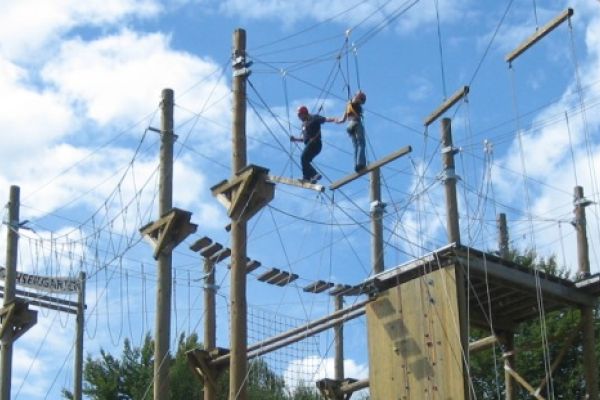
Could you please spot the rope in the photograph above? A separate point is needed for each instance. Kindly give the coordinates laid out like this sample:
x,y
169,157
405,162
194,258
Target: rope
x,y
440,48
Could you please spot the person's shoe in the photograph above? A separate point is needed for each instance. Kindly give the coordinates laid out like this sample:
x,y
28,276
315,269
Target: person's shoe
x,y
315,178
359,168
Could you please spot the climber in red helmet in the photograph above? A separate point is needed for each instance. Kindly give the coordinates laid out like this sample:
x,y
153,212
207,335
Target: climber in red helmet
x,y
355,128
311,136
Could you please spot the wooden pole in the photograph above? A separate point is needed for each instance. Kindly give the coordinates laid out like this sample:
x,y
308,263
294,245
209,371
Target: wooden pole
x,y
587,313
339,341
508,343
12,243
448,152
377,209
503,248
78,378
238,364
162,358
210,320
450,177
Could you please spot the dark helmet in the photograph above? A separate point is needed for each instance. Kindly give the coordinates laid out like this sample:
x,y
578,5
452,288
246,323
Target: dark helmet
x,y
302,110
361,96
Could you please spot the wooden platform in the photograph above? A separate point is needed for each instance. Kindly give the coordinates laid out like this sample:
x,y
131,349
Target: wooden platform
x,y
296,182
374,165
508,289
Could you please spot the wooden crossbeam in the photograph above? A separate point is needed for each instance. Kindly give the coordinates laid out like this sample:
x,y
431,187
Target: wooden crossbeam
x,y
318,287
297,182
539,34
459,94
374,165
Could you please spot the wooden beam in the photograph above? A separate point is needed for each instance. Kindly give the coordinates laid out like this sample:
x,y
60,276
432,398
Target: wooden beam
x,y
523,383
459,94
301,183
374,165
483,344
539,34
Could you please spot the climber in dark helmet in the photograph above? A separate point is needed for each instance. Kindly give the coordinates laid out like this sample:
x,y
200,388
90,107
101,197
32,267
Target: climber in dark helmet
x,y
355,128
311,136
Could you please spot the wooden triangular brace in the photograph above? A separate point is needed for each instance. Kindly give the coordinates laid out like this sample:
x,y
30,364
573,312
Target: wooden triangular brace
x,y
200,361
330,389
16,318
246,193
169,230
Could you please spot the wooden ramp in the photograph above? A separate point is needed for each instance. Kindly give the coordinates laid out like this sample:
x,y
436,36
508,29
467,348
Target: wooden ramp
x,y
374,165
297,183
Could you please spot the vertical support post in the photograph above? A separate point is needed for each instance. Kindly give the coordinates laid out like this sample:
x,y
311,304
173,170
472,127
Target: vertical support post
x,y
502,235
449,178
210,321
78,368
163,295
587,313
507,338
377,209
12,243
508,343
448,152
338,330
238,363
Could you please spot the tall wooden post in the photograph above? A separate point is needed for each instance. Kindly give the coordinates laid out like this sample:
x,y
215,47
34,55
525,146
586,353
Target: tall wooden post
x,y
78,368
210,320
587,313
339,341
507,338
503,249
449,178
449,173
163,296
377,209
238,363
12,242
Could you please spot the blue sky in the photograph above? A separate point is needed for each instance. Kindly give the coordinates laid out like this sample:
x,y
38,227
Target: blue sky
x,y
80,82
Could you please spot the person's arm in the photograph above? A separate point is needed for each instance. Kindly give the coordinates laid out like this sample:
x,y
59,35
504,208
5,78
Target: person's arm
x,y
296,139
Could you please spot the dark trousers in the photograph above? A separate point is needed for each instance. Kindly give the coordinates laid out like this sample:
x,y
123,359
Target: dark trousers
x,y
310,151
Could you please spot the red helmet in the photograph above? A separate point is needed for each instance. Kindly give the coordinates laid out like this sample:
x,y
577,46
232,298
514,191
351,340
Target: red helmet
x,y
361,96
302,110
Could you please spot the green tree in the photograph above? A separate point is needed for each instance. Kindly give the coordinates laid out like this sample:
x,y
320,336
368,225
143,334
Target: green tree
x,y
532,354
130,377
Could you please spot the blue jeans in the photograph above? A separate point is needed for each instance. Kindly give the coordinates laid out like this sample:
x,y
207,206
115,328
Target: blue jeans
x,y
357,134
311,150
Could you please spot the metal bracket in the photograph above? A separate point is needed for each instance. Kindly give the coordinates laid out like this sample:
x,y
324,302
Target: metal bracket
x,y
450,149
449,174
583,202
242,72
378,207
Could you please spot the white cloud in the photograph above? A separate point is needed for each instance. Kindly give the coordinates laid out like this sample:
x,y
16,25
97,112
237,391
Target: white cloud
x,y
31,26
119,78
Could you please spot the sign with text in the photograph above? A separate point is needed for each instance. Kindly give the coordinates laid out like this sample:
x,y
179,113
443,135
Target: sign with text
x,y
48,283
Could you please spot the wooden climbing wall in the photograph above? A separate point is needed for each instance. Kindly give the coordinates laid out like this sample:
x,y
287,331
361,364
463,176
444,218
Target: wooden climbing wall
x,y
414,340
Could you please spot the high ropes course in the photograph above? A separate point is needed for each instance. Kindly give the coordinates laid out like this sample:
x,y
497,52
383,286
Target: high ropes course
x,y
315,257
